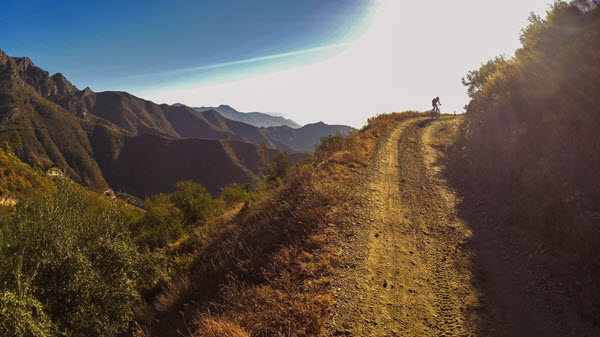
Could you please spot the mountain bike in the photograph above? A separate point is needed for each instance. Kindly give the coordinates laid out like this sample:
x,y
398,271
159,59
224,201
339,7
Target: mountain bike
x,y
435,111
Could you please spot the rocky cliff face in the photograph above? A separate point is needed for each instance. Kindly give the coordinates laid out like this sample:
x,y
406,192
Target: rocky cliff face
x,y
55,88
3,58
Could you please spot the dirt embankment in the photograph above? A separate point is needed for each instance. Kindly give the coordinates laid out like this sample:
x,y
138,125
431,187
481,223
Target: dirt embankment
x,y
423,259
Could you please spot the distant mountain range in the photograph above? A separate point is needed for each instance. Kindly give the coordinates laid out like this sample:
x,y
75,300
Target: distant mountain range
x,y
114,139
305,138
258,119
281,130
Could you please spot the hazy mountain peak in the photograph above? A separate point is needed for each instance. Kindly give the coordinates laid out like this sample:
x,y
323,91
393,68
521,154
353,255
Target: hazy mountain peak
x,y
258,119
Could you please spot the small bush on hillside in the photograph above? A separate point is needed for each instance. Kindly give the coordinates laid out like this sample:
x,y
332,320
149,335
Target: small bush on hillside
x,y
279,167
130,199
235,193
194,202
15,140
170,216
162,223
330,143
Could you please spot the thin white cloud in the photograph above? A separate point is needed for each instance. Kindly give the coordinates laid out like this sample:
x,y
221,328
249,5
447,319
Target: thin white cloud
x,y
191,70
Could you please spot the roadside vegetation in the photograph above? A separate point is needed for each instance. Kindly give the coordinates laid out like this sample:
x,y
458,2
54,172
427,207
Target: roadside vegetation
x,y
255,260
530,140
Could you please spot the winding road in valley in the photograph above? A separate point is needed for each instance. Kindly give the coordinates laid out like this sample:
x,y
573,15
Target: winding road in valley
x,y
424,258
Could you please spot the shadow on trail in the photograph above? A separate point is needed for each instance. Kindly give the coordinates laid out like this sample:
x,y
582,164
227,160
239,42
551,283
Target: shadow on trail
x,y
425,123
520,294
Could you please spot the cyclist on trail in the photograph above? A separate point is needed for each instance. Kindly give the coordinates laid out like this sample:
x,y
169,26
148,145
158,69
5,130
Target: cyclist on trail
x,y
435,103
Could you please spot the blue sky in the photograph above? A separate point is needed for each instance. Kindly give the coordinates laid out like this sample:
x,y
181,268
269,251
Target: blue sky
x,y
109,44
337,61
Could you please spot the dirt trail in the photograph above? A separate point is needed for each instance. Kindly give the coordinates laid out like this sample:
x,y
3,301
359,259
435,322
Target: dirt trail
x,y
420,261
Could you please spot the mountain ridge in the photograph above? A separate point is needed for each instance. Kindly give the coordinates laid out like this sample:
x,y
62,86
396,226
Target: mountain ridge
x,y
90,134
258,119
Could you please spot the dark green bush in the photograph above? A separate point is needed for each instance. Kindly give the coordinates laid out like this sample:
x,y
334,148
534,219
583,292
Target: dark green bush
x,y
194,202
162,223
235,193
170,216
278,167
330,143
75,257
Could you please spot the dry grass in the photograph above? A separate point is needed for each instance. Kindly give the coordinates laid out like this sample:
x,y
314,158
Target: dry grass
x,y
176,290
211,327
268,271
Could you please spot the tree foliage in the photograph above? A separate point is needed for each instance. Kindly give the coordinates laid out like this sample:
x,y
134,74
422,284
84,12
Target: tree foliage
x,y
21,315
279,166
476,79
15,140
236,193
531,136
170,216
74,256
194,202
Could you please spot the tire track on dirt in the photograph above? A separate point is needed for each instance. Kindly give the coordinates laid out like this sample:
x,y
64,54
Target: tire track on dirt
x,y
408,273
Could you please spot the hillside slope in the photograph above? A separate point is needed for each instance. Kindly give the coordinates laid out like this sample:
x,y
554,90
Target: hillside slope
x,y
531,139
138,116
212,163
267,270
49,133
282,131
18,179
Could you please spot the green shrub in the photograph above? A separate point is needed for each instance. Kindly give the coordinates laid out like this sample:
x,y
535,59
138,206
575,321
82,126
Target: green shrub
x,y
76,258
15,140
279,167
194,202
170,216
330,143
235,193
162,223
23,316
130,199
